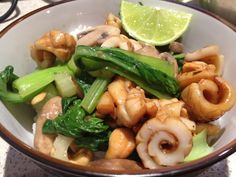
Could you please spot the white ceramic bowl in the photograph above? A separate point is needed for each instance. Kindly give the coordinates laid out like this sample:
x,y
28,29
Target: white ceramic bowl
x,y
74,16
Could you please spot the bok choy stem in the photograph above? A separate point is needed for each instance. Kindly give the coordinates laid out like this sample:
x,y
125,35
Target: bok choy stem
x,y
94,93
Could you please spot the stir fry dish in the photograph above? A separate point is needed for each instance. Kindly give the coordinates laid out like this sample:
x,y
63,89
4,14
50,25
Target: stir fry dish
x,y
107,100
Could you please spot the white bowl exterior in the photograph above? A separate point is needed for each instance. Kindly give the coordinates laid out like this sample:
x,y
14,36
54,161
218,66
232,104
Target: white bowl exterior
x,y
78,15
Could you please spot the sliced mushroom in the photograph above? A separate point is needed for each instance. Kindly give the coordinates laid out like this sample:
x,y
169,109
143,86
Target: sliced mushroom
x,y
44,142
168,57
148,50
176,47
118,41
98,35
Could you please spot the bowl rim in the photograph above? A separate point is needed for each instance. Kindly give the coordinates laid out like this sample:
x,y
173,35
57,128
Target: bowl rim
x,y
70,168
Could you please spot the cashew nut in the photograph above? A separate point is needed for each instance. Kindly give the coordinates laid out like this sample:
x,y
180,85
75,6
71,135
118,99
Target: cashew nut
x,y
52,45
198,97
82,157
121,144
105,104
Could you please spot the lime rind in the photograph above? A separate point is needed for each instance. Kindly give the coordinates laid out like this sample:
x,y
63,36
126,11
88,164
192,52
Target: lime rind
x,y
137,20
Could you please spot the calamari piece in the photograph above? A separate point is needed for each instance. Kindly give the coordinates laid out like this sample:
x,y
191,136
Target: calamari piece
x,y
98,35
121,144
209,55
44,142
194,72
129,102
202,53
175,109
208,100
152,106
133,110
164,143
117,90
52,45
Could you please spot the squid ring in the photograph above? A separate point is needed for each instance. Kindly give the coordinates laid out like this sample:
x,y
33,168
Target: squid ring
x,y
199,98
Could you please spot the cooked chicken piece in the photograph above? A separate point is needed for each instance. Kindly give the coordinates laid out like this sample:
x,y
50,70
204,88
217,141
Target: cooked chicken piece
x,y
52,45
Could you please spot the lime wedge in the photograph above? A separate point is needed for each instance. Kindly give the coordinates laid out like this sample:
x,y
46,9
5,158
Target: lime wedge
x,y
153,25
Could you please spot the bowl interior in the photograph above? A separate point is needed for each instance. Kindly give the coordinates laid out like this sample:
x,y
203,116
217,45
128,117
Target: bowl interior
x,y
78,15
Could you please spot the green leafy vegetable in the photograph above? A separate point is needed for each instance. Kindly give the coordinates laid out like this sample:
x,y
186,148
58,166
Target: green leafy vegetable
x,y
66,102
155,73
180,61
97,142
200,147
85,81
89,131
6,91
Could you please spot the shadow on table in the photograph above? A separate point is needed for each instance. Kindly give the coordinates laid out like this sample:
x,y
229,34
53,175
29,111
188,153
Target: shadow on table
x,y
18,165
